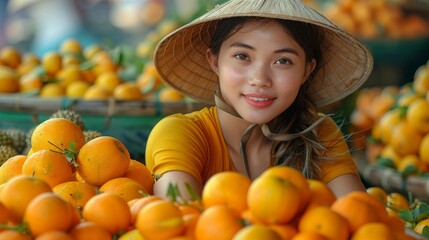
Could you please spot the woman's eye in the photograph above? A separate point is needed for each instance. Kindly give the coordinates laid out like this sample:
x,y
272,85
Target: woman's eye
x,y
283,61
241,56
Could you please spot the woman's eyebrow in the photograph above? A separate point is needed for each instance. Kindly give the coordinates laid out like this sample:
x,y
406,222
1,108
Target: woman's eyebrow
x,y
283,50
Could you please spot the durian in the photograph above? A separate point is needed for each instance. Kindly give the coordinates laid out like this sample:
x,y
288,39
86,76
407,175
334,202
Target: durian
x,y
91,134
6,152
70,115
5,139
18,136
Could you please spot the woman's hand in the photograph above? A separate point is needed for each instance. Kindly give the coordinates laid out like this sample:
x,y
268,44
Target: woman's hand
x,y
180,179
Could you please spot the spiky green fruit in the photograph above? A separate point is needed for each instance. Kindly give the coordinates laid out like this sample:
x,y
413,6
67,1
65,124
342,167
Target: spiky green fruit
x,y
6,152
5,139
18,136
70,115
91,134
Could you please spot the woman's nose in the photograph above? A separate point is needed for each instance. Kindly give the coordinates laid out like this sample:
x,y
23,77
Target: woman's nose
x,y
260,77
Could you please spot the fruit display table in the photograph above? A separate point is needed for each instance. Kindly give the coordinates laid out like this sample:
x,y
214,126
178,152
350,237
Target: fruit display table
x,y
129,121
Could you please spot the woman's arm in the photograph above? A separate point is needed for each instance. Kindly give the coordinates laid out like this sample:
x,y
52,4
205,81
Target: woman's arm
x,y
345,184
180,179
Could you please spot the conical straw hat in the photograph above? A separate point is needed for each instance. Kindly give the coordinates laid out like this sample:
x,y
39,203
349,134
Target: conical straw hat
x,y
180,57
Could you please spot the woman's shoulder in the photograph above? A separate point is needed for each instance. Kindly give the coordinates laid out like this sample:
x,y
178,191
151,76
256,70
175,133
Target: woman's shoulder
x,y
200,119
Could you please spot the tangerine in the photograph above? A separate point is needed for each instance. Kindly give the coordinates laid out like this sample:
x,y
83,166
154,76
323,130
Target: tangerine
x,y
234,191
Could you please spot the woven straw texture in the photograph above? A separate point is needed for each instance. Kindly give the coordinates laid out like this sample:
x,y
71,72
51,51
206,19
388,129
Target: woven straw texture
x,y
181,62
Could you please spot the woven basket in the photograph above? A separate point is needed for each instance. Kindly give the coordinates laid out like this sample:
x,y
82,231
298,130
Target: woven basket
x,y
390,179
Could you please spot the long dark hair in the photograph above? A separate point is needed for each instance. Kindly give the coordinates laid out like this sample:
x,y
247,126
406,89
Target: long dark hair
x,y
305,151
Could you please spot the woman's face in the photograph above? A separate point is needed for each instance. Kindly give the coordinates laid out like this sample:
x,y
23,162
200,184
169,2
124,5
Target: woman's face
x,y
260,69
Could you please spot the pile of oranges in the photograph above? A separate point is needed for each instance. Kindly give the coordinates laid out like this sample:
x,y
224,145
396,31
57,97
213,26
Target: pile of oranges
x,y
93,190
372,19
90,73
392,123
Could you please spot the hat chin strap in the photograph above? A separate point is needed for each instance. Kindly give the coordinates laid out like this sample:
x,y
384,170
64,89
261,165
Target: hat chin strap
x,y
221,104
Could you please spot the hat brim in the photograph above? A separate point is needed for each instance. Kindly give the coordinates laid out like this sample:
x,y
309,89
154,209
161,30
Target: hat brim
x,y
180,57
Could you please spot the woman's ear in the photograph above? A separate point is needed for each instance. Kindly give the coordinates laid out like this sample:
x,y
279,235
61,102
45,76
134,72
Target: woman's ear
x,y
212,59
309,68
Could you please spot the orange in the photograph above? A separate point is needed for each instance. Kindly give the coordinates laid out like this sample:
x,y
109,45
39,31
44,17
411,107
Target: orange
x,y
296,178
49,166
92,164
137,204
52,90
17,193
126,188
54,235
149,80
103,63
256,232
405,139
48,212
190,221
108,81
411,160
364,99
405,100
127,91
309,236
390,153
70,60
140,173
77,89
69,74
168,94
70,46
109,211
375,230
91,50
11,168
190,208
387,122
52,63
218,222
420,225
286,231
56,134
360,208
30,58
326,222
321,194
87,230
381,104
96,93
13,235
249,217
133,234
421,79
25,68
4,215
424,149
10,56
28,83
160,219
418,115
378,193
76,193
397,201
227,188
9,80
273,199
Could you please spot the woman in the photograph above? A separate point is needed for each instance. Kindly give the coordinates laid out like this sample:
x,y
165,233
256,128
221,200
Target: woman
x,y
266,66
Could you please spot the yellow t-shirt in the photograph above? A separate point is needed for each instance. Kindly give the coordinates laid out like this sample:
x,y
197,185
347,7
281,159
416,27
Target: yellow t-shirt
x,y
194,143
